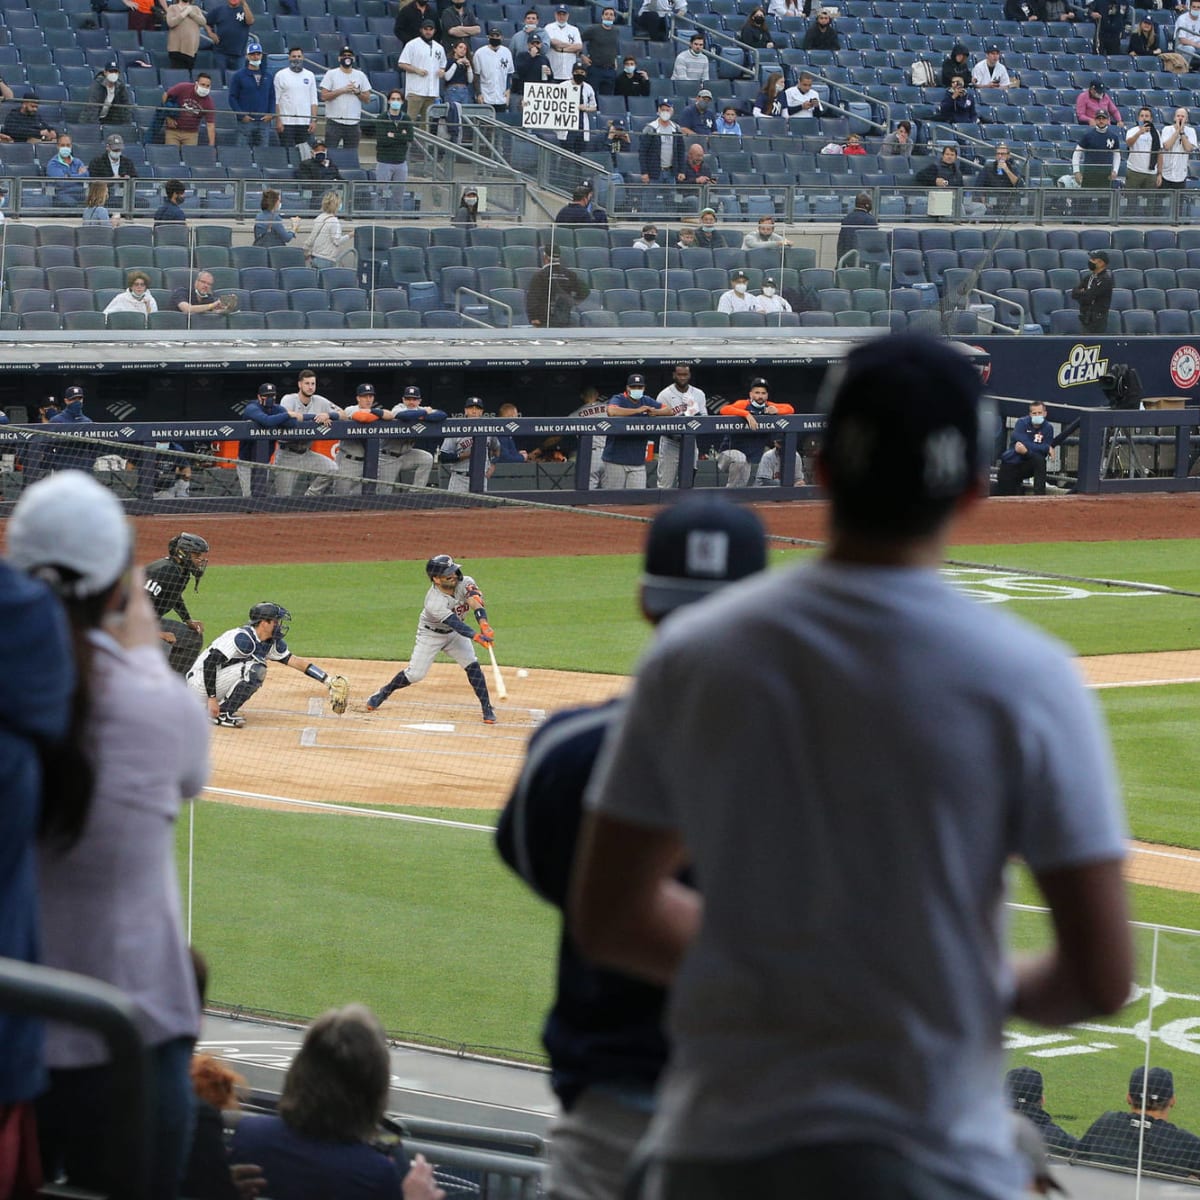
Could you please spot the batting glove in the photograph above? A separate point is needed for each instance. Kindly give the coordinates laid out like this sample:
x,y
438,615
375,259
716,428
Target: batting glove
x,y
484,638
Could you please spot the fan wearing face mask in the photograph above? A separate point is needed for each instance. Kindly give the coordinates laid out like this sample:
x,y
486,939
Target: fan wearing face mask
x,y
494,67
195,104
343,91
252,96
738,298
108,100
393,137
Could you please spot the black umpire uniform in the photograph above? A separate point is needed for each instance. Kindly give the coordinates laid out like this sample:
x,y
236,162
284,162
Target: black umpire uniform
x,y
166,579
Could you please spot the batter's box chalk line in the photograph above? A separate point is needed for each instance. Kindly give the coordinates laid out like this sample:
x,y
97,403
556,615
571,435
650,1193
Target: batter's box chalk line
x,y
308,736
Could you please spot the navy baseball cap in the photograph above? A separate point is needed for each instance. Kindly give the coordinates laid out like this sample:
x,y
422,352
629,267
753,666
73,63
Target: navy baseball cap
x,y
1024,1086
73,393
1161,1086
267,390
412,392
562,8
635,381
739,275
664,102
429,23
1102,255
534,37
365,389
904,425
697,546
473,402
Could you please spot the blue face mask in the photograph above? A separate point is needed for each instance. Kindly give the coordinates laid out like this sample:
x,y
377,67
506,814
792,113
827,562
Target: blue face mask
x,y
65,155
1037,418
74,406
607,23
636,393
395,106
296,66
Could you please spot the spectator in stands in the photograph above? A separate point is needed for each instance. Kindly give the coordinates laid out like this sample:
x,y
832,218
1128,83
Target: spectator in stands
x,y
1178,141
699,118
769,301
252,96
108,101
708,236
990,72
520,40
633,80
1143,169
691,63
553,293
493,71
318,166
1001,172
582,210
859,217
270,229
738,297
822,33
899,142
109,897
136,297
655,17
755,32
749,966
769,102
334,1097
649,239
171,209
95,210
195,104
410,17
112,162
37,646
532,66
954,64
945,172
958,105
1059,10
601,50
617,139
1112,19
422,67
1029,447
1023,10
185,23
229,22
198,300
728,124
142,15
24,124
343,91
765,235
1093,293
1094,100
64,165
1143,1137
696,168
458,22
686,238
801,100
1027,1096
604,1033
576,140
459,81
329,241
661,146
1143,41
854,145
1097,158
563,42
393,137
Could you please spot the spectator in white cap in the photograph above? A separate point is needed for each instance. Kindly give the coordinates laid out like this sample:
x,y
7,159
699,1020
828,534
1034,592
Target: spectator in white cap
x,y
112,162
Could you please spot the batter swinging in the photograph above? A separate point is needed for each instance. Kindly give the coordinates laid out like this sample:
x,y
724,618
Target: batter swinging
x,y
441,627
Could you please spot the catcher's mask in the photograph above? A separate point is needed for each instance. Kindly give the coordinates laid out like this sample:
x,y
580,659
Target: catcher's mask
x,y
272,612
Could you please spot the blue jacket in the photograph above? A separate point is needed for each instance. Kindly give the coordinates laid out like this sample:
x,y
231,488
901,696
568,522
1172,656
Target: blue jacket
x,y
604,1028
650,149
1037,439
269,416
252,92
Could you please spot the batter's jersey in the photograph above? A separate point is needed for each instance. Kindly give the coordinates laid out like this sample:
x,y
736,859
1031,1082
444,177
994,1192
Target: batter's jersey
x,y
165,584
240,645
439,605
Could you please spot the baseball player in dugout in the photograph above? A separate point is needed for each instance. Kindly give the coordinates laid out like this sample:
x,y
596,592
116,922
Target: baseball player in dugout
x,y
234,667
841,982
742,452
166,581
441,626
307,405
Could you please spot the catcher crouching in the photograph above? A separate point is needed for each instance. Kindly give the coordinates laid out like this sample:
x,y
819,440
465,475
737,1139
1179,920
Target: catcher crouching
x,y
234,667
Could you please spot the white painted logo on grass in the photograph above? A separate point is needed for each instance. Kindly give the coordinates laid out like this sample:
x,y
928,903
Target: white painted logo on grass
x,y
996,587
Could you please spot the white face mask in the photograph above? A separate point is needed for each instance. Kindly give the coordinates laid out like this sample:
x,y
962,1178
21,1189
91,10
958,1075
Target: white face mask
x,y
768,291
255,62
115,155
111,76
201,90
664,114
740,288
630,68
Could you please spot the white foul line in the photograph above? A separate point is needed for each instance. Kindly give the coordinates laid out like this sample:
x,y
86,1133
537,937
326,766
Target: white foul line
x,y
325,806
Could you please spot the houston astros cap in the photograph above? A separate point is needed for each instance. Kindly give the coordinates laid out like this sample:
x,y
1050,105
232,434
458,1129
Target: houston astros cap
x,y
268,390
635,381
1025,1087
73,393
365,389
696,547
45,533
1161,1081
903,428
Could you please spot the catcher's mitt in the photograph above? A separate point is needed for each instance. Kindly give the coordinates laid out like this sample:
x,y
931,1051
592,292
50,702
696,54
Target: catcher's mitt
x,y
228,303
339,693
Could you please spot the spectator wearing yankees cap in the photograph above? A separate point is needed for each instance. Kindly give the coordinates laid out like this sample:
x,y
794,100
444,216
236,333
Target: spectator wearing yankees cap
x,y
112,162
809,1040
738,298
1143,1135
1027,1096
582,210
624,457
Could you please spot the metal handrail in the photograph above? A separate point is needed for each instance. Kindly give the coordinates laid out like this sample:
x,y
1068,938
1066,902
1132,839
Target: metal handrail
x,y
993,298
717,34
37,991
458,302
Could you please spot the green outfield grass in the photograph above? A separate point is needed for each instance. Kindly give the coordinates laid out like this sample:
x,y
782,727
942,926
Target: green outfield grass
x,y
299,911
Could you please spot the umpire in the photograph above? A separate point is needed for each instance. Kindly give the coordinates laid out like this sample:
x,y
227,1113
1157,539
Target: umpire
x,y
166,579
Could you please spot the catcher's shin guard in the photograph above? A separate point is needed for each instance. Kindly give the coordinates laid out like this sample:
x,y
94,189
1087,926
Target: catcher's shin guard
x,y
243,690
479,687
393,685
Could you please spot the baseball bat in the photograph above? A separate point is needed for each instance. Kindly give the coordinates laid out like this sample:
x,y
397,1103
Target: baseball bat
x,y
497,678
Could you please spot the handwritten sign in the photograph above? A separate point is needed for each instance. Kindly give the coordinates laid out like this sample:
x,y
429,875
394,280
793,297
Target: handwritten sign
x,y
550,106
